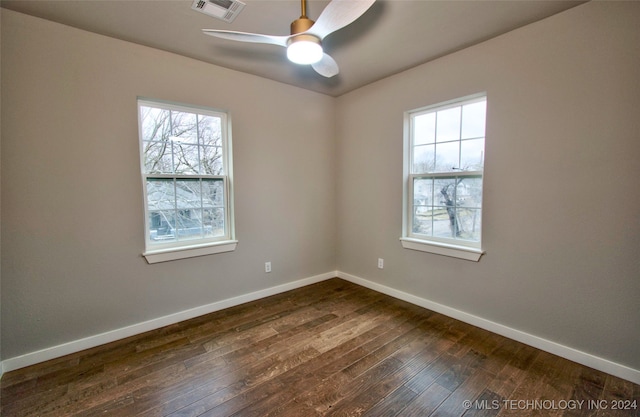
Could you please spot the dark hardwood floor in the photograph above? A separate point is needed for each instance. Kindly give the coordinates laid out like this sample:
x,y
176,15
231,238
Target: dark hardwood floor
x,y
329,349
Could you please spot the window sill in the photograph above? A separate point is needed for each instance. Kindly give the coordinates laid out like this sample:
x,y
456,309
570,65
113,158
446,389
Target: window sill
x,y
172,254
460,252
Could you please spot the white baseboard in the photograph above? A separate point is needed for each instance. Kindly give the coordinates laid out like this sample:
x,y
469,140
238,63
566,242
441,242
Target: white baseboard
x,y
566,352
117,334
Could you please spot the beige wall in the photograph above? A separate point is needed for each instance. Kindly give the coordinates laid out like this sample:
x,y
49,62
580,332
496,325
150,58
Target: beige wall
x,y
319,186
562,203
72,194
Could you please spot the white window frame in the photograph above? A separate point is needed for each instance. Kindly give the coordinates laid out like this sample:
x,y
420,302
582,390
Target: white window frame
x,y
181,249
457,248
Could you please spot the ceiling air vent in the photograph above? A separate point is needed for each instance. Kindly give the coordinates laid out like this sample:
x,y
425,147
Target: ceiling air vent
x,y
226,10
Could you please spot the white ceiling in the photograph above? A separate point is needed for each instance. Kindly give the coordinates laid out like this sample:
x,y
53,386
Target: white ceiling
x,y
392,36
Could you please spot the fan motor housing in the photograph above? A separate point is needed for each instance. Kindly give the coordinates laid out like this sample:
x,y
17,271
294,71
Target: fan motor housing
x,y
301,25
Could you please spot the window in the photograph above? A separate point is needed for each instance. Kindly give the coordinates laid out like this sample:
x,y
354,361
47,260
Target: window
x,y
185,158
444,162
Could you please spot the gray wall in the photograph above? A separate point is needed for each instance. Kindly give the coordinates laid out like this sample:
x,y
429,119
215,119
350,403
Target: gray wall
x,y
562,203
72,202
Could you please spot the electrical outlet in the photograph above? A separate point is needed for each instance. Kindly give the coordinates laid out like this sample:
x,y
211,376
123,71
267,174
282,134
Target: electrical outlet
x,y
380,263
267,267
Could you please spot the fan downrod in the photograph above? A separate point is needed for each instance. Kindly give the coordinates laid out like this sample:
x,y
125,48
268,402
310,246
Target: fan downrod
x,y
303,23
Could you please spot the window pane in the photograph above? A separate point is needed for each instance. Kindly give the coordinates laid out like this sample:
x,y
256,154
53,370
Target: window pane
x,y
189,224
160,194
212,193
188,194
473,120
423,192
447,156
424,129
155,124
184,127
158,157
444,192
214,222
469,192
423,159
210,130
423,220
211,160
162,225
469,222
444,224
186,158
448,125
472,154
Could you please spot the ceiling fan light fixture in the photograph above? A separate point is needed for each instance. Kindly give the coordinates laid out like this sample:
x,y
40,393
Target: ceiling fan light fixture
x,y
304,50
304,45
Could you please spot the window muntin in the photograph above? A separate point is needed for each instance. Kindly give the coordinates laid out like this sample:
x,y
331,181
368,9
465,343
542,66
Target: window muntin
x,y
445,166
185,168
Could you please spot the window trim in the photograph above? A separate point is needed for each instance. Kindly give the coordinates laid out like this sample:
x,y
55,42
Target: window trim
x,y
192,251
409,240
172,251
439,248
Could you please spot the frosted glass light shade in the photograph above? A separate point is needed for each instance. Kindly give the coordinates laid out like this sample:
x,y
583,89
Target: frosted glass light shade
x,y
304,52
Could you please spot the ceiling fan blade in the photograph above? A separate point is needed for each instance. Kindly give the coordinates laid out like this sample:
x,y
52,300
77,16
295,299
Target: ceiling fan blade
x,y
247,37
327,66
338,14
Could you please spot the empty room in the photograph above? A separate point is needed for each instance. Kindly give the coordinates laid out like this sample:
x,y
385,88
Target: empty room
x,y
319,208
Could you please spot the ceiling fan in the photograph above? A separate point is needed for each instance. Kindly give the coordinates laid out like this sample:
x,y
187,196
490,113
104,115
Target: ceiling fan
x,y
304,45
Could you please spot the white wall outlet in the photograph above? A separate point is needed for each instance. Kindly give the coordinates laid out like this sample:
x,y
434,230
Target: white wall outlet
x,y
267,267
380,263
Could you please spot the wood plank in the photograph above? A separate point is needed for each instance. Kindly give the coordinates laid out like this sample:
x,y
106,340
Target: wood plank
x,y
427,402
322,367
619,397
